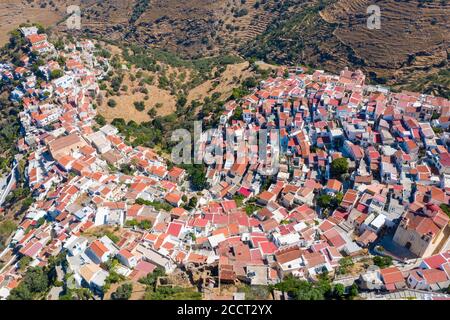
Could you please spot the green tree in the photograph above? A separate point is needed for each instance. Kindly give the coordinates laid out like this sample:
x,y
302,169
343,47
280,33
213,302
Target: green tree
x,y
345,264
55,74
173,293
435,115
152,113
36,280
139,105
250,208
151,278
131,223
181,103
157,205
126,168
328,202
237,115
145,224
338,167
197,176
239,198
20,293
100,119
446,208
382,261
83,294
192,203
113,277
112,103
24,262
116,83
34,283
338,198
6,228
305,290
110,264
77,294
437,130
339,291
324,284
123,292
353,293
324,201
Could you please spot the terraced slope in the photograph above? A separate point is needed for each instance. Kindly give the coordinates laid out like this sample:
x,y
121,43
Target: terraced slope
x,y
191,28
410,50
413,41
414,35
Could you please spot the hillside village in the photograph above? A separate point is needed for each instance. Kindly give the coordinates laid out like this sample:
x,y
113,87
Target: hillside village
x,y
364,179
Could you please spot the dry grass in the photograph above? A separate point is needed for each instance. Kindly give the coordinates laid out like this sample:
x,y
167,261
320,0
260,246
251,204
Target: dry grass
x,y
357,268
225,82
15,12
125,103
137,294
98,232
266,66
125,109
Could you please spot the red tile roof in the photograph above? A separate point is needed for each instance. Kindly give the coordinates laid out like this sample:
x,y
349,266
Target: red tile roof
x,y
98,248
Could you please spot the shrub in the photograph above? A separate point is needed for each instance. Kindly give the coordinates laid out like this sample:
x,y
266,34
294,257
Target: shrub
x,y
100,119
240,13
152,112
112,103
55,74
123,292
34,283
24,262
339,167
345,264
145,224
382,262
139,105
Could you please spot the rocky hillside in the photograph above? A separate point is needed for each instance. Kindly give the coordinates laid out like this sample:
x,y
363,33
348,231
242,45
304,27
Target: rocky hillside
x,y
410,50
412,43
191,28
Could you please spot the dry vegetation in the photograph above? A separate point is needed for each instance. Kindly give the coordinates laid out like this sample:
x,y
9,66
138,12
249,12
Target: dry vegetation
x,y
137,293
411,45
190,28
15,12
98,232
225,83
409,50
125,108
144,87
413,41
